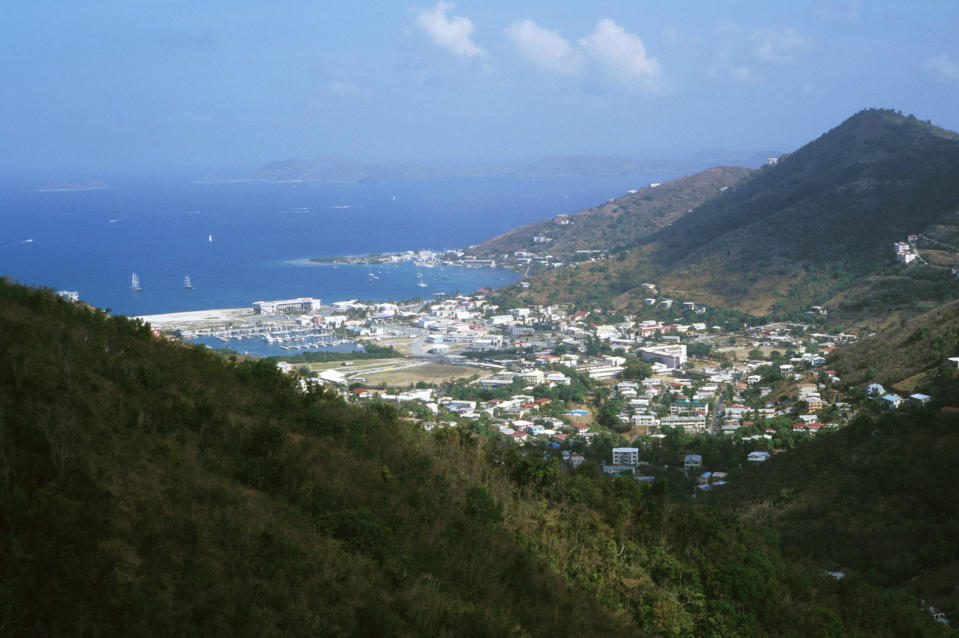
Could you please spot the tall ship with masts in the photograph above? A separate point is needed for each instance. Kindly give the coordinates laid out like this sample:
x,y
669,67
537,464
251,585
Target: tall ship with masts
x,y
135,283
186,283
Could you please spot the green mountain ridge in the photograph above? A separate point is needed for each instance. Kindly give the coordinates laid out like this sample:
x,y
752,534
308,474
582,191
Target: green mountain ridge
x,y
806,230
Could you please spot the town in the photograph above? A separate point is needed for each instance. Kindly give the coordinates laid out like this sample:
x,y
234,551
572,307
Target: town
x,y
689,395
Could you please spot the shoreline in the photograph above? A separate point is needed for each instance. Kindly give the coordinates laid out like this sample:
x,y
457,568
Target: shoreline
x,y
454,258
166,319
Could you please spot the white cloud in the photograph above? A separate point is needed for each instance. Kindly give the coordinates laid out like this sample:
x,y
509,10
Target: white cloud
x,y
450,33
834,11
623,56
770,45
942,67
741,74
725,70
544,48
342,88
727,27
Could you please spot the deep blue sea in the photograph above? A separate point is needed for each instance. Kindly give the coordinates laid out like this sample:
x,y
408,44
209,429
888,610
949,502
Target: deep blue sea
x,y
263,235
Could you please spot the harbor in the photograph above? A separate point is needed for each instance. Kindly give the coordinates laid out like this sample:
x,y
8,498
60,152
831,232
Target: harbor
x,y
247,332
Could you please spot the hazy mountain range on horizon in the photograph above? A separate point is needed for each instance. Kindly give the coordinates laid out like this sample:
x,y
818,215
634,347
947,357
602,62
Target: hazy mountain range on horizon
x,y
344,169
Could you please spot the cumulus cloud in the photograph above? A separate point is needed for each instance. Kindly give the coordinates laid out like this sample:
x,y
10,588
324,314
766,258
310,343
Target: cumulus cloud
x,y
623,56
741,74
942,67
449,32
770,45
340,87
544,48
833,11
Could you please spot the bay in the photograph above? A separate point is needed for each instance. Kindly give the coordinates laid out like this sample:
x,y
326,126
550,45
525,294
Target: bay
x,y
242,242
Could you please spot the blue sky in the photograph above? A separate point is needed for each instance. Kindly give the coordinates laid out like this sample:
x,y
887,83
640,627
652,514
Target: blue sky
x,y
137,87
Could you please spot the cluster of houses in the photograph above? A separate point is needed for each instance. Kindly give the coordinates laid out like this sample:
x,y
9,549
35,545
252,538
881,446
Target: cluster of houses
x,y
552,340
906,252
531,353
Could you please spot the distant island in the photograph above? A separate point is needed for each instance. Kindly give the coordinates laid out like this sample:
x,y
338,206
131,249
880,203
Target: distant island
x,y
346,170
59,187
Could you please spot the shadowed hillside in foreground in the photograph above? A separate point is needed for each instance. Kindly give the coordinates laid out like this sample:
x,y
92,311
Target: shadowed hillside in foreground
x,y
152,488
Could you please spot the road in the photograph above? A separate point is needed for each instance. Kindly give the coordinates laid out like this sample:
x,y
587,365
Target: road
x,y
714,427
418,348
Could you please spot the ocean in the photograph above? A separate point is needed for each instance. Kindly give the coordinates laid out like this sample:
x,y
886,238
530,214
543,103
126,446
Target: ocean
x,y
242,242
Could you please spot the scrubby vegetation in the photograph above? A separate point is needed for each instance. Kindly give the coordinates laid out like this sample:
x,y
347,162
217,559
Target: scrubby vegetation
x,y
623,220
906,353
809,230
874,498
151,488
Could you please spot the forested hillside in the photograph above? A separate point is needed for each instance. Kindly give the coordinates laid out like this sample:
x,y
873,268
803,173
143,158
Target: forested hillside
x,y
874,498
816,228
151,488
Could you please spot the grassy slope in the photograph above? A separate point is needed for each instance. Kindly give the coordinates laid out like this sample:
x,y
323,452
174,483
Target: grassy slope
x,y
904,355
153,489
620,221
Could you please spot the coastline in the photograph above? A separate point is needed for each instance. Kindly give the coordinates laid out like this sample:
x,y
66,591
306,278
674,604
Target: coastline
x,y
216,315
454,258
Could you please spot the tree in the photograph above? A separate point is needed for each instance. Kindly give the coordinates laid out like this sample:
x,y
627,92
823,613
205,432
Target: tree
x,y
635,368
608,416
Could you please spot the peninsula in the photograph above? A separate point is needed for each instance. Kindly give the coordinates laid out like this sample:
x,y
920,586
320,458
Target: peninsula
x,y
61,187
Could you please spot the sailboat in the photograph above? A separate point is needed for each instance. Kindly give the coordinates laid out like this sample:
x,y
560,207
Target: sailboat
x,y
422,283
210,238
135,283
186,283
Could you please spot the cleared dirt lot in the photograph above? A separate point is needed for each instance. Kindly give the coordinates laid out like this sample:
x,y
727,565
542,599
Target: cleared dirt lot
x,y
428,373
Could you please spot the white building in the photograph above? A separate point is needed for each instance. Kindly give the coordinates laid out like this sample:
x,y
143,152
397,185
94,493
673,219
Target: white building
x,y
625,456
673,356
302,304
690,424
645,419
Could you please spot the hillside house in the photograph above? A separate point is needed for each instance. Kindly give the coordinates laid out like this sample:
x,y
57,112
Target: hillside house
x,y
625,456
693,462
892,400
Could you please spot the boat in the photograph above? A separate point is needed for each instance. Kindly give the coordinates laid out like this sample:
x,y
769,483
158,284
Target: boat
x,y
421,284
210,238
135,283
186,283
